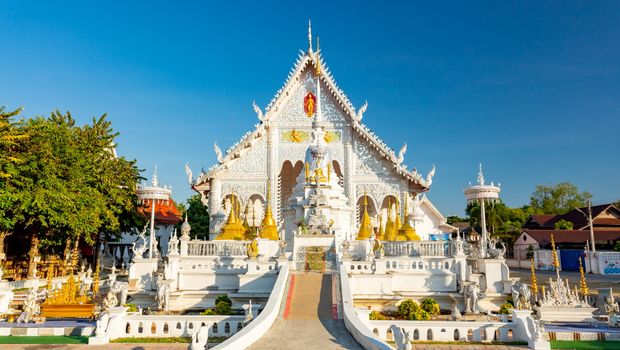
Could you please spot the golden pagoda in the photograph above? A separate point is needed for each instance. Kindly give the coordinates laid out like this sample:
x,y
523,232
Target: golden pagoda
x,y
554,256
249,232
233,228
269,228
365,230
406,232
380,233
390,228
397,220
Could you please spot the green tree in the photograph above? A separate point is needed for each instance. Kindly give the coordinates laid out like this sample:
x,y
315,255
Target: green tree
x,y
197,215
455,218
68,183
10,136
563,225
558,199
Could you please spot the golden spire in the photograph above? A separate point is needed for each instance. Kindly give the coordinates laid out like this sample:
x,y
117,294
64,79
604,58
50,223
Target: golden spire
x,y
95,286
233,229
380,233
554,255
365,225
269,229
248,230
317,66
390,229
50,268
329,170
397,220
406,232
533,280
582,281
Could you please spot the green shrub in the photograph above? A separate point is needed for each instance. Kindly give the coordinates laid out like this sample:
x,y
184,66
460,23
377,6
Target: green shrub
x,y
408,308
430,305
506,309
377,316
223,298
421,315
131,307
208,312
223,308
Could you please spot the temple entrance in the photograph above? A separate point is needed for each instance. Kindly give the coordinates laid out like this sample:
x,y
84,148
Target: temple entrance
x,y
316,258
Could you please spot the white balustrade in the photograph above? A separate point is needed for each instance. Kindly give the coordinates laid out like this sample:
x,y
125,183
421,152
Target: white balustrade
x,y
417,248
163,326
448,331
217,248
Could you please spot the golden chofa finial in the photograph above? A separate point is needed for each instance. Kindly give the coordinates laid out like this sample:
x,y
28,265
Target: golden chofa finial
x,y
582,281
533,280
365,230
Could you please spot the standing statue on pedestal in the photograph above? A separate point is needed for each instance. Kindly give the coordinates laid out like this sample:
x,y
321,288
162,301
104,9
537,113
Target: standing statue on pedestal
x,y
138,252
471,293
163,295
119,289
31,308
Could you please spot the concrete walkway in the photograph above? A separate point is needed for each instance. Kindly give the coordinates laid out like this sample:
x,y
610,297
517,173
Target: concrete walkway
x,y
310,317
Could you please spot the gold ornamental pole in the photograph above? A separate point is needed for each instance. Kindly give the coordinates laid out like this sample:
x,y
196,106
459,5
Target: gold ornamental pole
x,y
582,281
533,280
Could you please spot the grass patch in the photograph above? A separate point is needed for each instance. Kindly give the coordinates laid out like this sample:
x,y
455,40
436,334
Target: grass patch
x,y
585,344
43,339
462,342
164,340
153,340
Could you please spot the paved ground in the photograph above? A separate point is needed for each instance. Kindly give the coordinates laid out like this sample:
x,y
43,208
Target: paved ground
x,y
309,319
593,281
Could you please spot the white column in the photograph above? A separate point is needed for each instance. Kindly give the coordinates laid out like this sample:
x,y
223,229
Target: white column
x,y
272,171
483,234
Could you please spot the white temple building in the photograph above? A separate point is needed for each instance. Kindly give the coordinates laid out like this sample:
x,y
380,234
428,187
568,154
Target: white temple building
x,y
310,110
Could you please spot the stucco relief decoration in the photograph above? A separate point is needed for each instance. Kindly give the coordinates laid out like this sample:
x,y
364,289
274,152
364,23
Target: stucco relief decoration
x,y
292,153
243,190
251,161
294,108
377,191
294,136
367,163
329,111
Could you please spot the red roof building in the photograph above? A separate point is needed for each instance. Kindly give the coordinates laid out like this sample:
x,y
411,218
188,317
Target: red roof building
x,y
165,212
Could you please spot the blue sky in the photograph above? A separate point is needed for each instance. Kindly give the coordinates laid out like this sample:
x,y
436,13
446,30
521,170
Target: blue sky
x,y
529,88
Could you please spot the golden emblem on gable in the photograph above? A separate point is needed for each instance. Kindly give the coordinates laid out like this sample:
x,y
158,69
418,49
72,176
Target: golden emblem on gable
x,y
295,136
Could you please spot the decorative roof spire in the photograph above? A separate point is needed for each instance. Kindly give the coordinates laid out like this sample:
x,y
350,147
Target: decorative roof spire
x,y
380,233
309,36
480,175
154,180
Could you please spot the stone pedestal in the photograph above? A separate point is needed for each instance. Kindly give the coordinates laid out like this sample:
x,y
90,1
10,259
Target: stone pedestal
x,y
494,275
141,274
567,314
